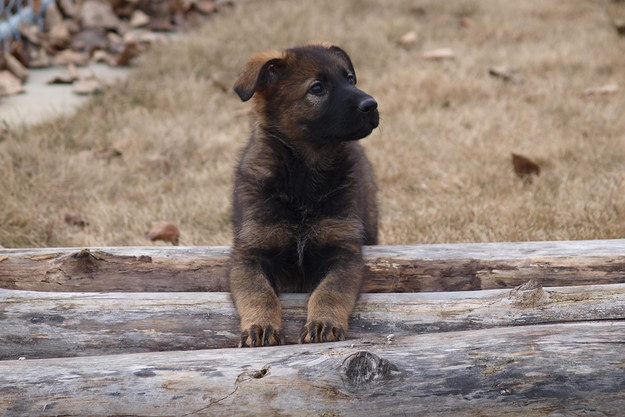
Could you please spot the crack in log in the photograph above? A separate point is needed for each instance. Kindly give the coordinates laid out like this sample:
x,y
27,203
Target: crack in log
x,y
242,377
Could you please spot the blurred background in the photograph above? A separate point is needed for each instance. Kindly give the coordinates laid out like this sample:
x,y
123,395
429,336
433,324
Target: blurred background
x,y
500,121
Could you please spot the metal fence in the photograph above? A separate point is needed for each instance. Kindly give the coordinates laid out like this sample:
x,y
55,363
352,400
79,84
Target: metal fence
x,y
15,12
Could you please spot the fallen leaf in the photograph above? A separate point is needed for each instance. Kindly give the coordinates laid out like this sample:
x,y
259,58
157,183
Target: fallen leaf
x,y
3,258
108,153
16,67
39,58
139,19
524,167
131,50
164,231
619,25
9,84
59,36
604,89
20,50
506,73
103,56
74,219
115,42
30,32
418,11
205,6
73,71
465,22
193,18
68,7
439,54
68,56
88,39
144,36
159,162
88,85
409,38
61,80
52,16
98,14
161,24
69,78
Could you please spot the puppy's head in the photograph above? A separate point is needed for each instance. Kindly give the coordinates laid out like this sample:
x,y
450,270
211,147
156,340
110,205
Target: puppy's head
x,y
308,93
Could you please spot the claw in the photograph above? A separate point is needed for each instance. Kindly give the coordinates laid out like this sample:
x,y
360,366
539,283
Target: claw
x,y
327,328
312,331
243,341
302,335
254,335
258,335
341,334
268,332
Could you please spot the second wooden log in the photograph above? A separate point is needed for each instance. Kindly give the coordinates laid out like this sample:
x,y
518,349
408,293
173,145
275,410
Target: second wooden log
x,y
44,325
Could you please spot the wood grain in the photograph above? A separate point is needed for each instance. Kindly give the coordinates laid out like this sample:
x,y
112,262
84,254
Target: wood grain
x,y
44,325
390,269
560,369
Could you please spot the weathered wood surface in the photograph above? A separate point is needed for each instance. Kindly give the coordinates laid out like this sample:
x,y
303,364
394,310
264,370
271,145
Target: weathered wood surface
x,y
44,325
414,268
560,369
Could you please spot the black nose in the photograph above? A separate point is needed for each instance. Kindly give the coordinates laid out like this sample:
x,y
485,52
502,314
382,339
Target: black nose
x,y
367,105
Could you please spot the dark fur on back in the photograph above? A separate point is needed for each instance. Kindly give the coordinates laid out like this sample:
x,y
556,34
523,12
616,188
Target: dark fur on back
x,y
304,195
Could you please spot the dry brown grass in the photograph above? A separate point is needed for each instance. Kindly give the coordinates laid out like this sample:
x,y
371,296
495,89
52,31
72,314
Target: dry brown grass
x,y
441,155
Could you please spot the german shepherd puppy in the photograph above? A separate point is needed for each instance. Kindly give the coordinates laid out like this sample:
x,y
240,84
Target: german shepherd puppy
x,y
304,195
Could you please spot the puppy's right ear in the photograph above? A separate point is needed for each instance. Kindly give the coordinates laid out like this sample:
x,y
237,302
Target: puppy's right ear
x,y
260,72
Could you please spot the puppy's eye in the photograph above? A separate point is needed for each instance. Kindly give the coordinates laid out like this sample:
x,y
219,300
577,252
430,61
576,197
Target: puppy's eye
x,y
351,79
317,89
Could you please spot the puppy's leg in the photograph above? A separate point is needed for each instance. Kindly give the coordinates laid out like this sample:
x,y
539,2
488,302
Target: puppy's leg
x,y
257,304
332,302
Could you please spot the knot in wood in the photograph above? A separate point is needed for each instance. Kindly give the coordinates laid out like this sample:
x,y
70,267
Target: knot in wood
x,y
530,294
82,262
364,368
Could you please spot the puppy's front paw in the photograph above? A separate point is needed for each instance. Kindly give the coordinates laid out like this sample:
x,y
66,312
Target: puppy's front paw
x,y
258,335
321,331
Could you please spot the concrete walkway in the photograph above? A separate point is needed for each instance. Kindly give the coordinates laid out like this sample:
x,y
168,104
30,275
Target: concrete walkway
x,y
42,102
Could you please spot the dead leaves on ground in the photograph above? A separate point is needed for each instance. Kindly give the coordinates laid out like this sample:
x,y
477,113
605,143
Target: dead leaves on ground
x,y
87,85
524,167
159,230
602,90
408,39
9,84
82,84
439,54
165,231
78,32
506,73
74,219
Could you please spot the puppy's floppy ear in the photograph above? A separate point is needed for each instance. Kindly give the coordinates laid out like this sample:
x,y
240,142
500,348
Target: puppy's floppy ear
x,y
260,72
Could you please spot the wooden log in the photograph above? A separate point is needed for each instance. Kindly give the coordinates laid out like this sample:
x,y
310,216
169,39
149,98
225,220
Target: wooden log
x,y
560,369
413,268
44,325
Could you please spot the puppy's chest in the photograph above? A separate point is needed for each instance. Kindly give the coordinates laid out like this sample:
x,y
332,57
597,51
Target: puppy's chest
x,y
298,194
